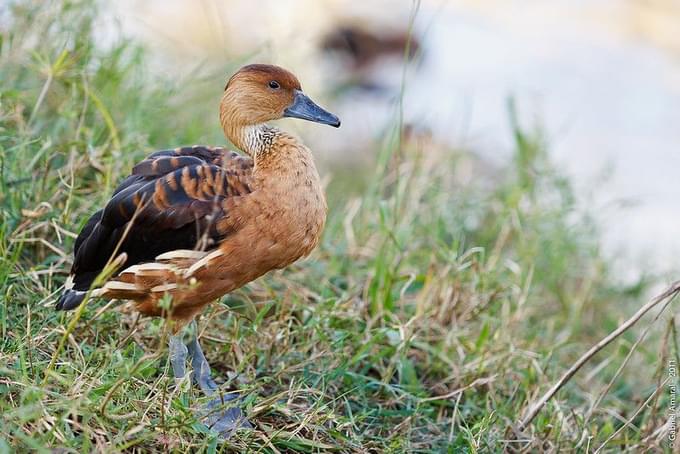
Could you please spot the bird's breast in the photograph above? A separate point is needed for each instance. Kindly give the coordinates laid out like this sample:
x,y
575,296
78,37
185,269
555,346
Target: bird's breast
x,y
297,221
292,213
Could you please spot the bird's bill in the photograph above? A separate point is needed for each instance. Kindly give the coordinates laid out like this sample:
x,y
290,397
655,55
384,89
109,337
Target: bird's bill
x,y
305,109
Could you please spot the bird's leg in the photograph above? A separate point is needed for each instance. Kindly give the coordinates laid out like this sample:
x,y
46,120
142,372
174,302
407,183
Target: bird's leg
x,y
178,356
222,413
201,367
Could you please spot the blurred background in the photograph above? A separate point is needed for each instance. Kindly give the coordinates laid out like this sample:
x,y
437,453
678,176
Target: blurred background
x,y
599,78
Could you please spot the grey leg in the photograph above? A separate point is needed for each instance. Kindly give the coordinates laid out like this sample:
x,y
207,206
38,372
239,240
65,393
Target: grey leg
x,y
201,368
222,413
178,355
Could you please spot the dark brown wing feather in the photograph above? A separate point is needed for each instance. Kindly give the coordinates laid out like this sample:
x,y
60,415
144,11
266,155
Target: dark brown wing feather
x,y
172,200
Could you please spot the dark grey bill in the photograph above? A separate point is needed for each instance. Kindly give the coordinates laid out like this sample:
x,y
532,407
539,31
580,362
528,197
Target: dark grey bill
x,y
304,108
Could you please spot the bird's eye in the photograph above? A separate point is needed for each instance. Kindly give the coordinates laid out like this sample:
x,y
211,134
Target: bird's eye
x,y
274,84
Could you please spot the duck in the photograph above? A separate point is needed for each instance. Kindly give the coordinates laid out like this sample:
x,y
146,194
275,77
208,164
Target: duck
x,y
362,47
192,224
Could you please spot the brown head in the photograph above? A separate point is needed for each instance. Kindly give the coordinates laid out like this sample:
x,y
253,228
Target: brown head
x,y
258,93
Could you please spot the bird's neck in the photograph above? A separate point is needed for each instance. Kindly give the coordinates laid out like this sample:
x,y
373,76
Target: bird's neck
x,y
269,147
253,140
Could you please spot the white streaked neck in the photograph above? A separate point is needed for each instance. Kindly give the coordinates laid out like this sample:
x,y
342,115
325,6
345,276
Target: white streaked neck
x,y
257,139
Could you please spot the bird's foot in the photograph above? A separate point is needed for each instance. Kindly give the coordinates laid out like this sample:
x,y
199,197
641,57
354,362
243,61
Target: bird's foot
x,y
223,415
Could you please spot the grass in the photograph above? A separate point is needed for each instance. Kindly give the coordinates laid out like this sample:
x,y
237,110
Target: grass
x,y
445,298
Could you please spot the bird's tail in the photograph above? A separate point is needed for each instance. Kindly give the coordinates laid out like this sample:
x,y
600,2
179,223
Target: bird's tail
x,y
71,298
78,284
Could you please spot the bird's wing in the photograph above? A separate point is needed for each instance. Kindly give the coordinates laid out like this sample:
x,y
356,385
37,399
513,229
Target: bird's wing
x,y
174,199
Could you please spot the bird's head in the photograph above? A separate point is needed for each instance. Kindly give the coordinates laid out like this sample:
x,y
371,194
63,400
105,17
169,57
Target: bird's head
x,y
259,93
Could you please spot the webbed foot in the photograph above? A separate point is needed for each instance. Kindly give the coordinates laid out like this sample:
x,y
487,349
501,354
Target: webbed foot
x,y
223,415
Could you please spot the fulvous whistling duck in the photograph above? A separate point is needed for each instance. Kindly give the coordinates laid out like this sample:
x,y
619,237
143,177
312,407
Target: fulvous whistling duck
x,y
197,222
